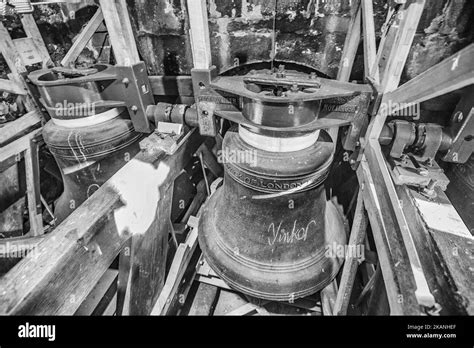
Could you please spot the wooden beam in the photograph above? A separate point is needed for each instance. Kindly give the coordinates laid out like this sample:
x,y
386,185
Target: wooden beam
x,y
120,30
203,300
105,283
393,54
179,265
12,130
328,298
358,233
445,244
407,20
199,34
32,31
16,65
132,204
18,146
370,49
11,87
451,74
390,249
32,175
351,44
83,38
378,164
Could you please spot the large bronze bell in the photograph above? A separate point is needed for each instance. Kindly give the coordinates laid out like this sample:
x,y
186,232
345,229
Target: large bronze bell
x,y
267,230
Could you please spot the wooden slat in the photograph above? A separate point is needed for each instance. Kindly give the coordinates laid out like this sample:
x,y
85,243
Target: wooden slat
x,y
16,64
199,34
391,252
12,130
387,190
119,27
11,87
328,298
351,44
32,31
349,271
409,17
18,146
203,300
96,295
83,38
451,74
32,175
444,243
370,53
396,50
181,261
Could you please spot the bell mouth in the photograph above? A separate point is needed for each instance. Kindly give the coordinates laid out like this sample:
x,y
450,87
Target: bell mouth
x,y
268,280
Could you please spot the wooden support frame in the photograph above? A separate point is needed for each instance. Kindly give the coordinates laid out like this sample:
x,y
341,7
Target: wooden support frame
x,y
27,147
388,220
349,271
83,38
78,252
119,27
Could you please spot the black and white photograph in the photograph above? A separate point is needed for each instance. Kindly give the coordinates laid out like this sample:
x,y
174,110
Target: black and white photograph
x,y
168,167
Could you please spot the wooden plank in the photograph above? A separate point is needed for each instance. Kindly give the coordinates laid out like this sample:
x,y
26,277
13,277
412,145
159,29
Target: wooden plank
x,y
11,87
393,258
180,263
119,27
377,161
111,308
397,49
172,85
451,74
18,146
349,271
370,49
16,65
32,31
351,44
77,253
328,298
429,219
67,272
93,299
199,34
32,175
83,38
11,221
203,300
408,19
